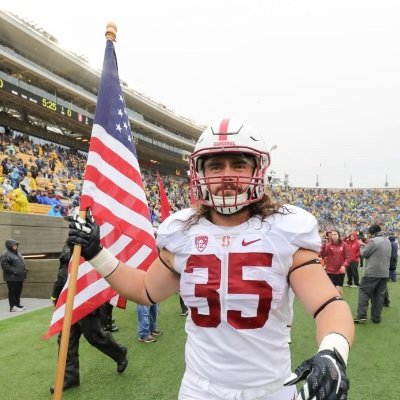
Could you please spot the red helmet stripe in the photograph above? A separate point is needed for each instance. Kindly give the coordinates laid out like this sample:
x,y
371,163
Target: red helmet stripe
x,y
223,129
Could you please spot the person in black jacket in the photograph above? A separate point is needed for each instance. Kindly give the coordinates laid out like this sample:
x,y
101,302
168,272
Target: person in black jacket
x,y
393,258
14,273
108,321
92,329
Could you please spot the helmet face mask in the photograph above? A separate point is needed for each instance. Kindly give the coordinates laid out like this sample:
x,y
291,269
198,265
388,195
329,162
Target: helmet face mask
x,y
229,138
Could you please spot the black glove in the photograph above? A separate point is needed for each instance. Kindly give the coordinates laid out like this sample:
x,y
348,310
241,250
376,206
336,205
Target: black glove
x,y
325,376
86,234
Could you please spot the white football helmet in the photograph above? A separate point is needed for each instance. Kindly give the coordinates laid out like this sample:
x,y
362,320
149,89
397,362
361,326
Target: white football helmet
x,y
229,136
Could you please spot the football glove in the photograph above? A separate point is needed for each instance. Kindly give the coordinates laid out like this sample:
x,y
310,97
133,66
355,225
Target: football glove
x,y
86,233
324,374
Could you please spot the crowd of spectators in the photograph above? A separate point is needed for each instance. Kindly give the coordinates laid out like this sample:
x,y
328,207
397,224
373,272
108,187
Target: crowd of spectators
x,y
36,171
177,190
347,210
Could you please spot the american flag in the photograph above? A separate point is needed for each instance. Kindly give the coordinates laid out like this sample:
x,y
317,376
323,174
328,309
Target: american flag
x,y
113,189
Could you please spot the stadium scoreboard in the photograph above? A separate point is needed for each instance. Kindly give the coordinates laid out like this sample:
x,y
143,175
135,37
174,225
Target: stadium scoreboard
x,y
44,102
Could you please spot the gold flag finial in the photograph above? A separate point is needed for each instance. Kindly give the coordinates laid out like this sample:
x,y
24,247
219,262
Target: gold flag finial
x,y
111,31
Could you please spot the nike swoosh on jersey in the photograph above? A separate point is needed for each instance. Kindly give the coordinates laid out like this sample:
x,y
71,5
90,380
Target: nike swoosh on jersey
x,y
244,243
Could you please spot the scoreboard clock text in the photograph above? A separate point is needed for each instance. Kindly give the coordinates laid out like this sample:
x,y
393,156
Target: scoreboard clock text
x,y
51,105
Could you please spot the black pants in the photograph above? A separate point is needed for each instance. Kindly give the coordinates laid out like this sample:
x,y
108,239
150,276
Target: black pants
x,y
92,329
352,273
106,314
371,289
14,293
386,300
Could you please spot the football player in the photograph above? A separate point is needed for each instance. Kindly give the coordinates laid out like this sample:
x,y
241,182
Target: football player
x,y
233,258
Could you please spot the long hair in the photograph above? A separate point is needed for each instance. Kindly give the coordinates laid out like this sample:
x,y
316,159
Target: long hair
x,y
262,209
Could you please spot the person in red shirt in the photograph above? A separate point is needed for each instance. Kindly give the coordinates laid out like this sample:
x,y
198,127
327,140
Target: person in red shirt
x,y
336,256
354,251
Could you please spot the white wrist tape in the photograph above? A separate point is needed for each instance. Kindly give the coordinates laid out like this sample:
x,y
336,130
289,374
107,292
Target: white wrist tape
x,y
104,263
338,342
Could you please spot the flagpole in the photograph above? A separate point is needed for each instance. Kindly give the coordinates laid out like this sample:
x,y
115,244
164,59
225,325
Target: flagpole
x,y
66,328
111,34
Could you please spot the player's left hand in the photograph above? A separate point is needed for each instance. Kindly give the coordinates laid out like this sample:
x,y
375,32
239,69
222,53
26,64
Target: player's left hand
x,y
325,377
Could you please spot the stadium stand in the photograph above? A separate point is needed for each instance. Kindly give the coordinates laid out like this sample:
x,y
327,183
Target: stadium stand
x,y
39,208
345,209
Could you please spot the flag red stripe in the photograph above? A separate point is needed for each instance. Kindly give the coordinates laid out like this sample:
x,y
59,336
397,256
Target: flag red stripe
x,y
108,186
112,158
110,238
121,302
127,252
103,295
81,284
84,308
105,214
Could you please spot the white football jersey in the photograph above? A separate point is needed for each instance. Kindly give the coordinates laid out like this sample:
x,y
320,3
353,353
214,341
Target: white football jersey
x,y
234,281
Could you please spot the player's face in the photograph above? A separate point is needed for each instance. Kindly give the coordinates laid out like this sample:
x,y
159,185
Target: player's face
x,y
228,175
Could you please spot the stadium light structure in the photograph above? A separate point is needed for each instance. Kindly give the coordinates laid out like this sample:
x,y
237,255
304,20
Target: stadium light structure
x,y
317,182
386,182
286,180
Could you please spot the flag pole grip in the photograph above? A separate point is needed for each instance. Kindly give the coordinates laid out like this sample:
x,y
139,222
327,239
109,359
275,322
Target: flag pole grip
x,y
66,328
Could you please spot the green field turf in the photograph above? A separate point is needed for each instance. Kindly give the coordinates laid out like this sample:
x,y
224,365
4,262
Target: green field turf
x,y
28,363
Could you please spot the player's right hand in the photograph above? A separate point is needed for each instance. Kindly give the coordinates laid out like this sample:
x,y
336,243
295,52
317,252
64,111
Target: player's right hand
x,y
85,233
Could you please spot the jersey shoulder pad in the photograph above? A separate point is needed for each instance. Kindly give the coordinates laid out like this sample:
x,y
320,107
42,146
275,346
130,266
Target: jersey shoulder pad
x,y
171,233
299,226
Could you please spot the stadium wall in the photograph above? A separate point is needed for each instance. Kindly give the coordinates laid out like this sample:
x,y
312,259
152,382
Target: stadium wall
x,y
42,238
